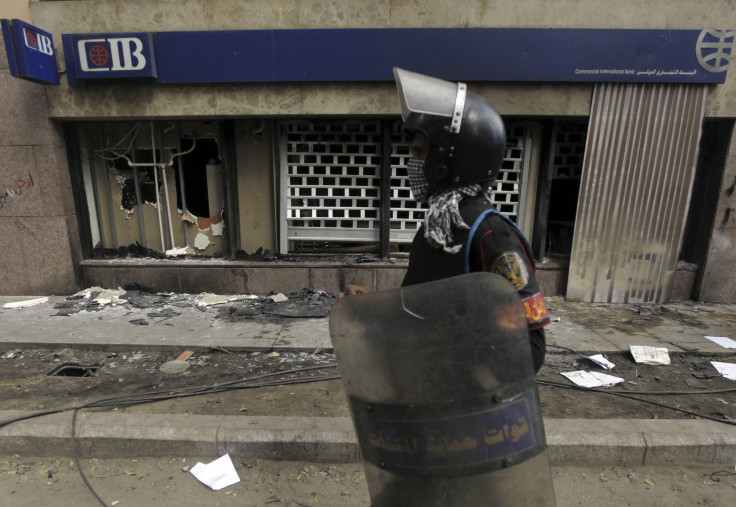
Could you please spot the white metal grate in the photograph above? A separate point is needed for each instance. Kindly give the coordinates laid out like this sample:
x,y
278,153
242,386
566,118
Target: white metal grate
x,y
332,179
406,213
331,173
506,197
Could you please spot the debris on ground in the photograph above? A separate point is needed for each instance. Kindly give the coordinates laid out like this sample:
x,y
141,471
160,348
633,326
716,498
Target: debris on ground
x,y
217,474
650,355
584,378
26,303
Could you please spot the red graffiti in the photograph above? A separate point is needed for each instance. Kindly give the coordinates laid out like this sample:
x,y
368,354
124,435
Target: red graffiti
x,y
16,189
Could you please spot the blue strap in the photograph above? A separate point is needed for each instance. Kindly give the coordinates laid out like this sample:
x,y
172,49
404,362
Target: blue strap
x,y
475,226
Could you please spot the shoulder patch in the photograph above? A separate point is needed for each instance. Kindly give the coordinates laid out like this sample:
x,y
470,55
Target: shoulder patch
x,y
511,266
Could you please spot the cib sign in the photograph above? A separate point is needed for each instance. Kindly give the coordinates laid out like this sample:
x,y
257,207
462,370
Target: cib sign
x,y
30,52
109,56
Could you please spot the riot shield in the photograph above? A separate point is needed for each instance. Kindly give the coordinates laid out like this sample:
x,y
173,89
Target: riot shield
x,y
442,393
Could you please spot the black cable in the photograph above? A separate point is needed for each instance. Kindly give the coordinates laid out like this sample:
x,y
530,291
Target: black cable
x,y
170,393
152,396
643,400
227,386
79,465
553,383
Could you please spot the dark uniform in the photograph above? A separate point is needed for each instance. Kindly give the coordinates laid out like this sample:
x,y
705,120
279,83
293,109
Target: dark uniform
x,y
497,246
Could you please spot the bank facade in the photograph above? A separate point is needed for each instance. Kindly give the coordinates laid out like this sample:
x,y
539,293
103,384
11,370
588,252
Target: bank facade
x,y
253,146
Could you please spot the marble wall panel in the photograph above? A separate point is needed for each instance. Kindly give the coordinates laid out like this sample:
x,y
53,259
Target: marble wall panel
x,y
47,255
13,274
350,99
258,99
213,279
154,278
344,13
131,101
3,55
255,14
20,190
23,112
276,278
722,98
391,278
48,179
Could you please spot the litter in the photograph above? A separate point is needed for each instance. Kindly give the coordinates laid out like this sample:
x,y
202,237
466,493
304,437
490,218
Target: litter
x,y
602,361
185,355
103,296
175,366
208,299
216,475
26,303
278,298
649,355
591,378
723,341
728,370
175,252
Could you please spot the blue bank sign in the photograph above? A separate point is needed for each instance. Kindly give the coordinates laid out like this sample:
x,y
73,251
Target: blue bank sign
x,y
109,56
468,54
30,52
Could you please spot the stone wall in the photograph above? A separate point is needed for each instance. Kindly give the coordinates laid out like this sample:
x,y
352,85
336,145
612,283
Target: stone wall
x,y
37,216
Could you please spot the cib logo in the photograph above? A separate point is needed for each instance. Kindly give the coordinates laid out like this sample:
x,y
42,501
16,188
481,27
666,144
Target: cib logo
x,y
713,49
38,41
111,54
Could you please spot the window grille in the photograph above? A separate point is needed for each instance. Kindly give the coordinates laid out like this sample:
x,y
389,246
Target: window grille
x,y
330,182
406,213
506,196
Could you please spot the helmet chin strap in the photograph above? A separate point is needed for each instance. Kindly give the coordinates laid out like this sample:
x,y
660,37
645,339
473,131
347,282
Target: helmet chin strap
x,y
457,114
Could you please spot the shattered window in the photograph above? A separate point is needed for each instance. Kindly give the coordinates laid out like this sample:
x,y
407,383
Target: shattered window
x,y
153,189
565,175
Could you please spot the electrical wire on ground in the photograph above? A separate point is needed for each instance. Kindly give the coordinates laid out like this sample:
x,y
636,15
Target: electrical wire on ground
x,y
627,395
152,396
168,394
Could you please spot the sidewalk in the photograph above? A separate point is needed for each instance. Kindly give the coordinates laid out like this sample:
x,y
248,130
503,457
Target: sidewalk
x,y
581,328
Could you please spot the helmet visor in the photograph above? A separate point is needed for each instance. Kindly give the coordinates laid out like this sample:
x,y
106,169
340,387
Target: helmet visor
x,y
424,94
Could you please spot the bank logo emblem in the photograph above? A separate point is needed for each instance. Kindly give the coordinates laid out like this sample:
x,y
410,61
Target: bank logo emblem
x,y
98,55
38,42
112,54
31,39
713,49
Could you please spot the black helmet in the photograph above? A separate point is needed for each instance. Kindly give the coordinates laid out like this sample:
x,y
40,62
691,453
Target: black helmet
x,y
467,139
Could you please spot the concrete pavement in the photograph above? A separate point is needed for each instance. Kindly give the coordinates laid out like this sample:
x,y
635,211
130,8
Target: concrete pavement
x,y
579,327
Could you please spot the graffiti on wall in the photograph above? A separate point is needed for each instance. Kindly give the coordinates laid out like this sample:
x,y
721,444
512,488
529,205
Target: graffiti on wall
x,y
15,189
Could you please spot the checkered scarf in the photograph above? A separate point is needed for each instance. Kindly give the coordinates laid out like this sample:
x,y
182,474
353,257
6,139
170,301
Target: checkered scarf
x,y
443,215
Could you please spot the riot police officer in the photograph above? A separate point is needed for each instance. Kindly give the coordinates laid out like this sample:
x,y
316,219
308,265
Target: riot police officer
x,y
459,145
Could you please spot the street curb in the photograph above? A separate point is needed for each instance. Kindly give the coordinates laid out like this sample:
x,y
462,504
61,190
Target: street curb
x,y
595,442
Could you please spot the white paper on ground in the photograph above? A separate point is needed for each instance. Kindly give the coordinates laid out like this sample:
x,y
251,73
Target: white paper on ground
x,y
602,361
591,378
728,370
649,355
218,474
723,341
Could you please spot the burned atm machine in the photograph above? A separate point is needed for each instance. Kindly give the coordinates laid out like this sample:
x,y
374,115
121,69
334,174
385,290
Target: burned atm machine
x,y
443,395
